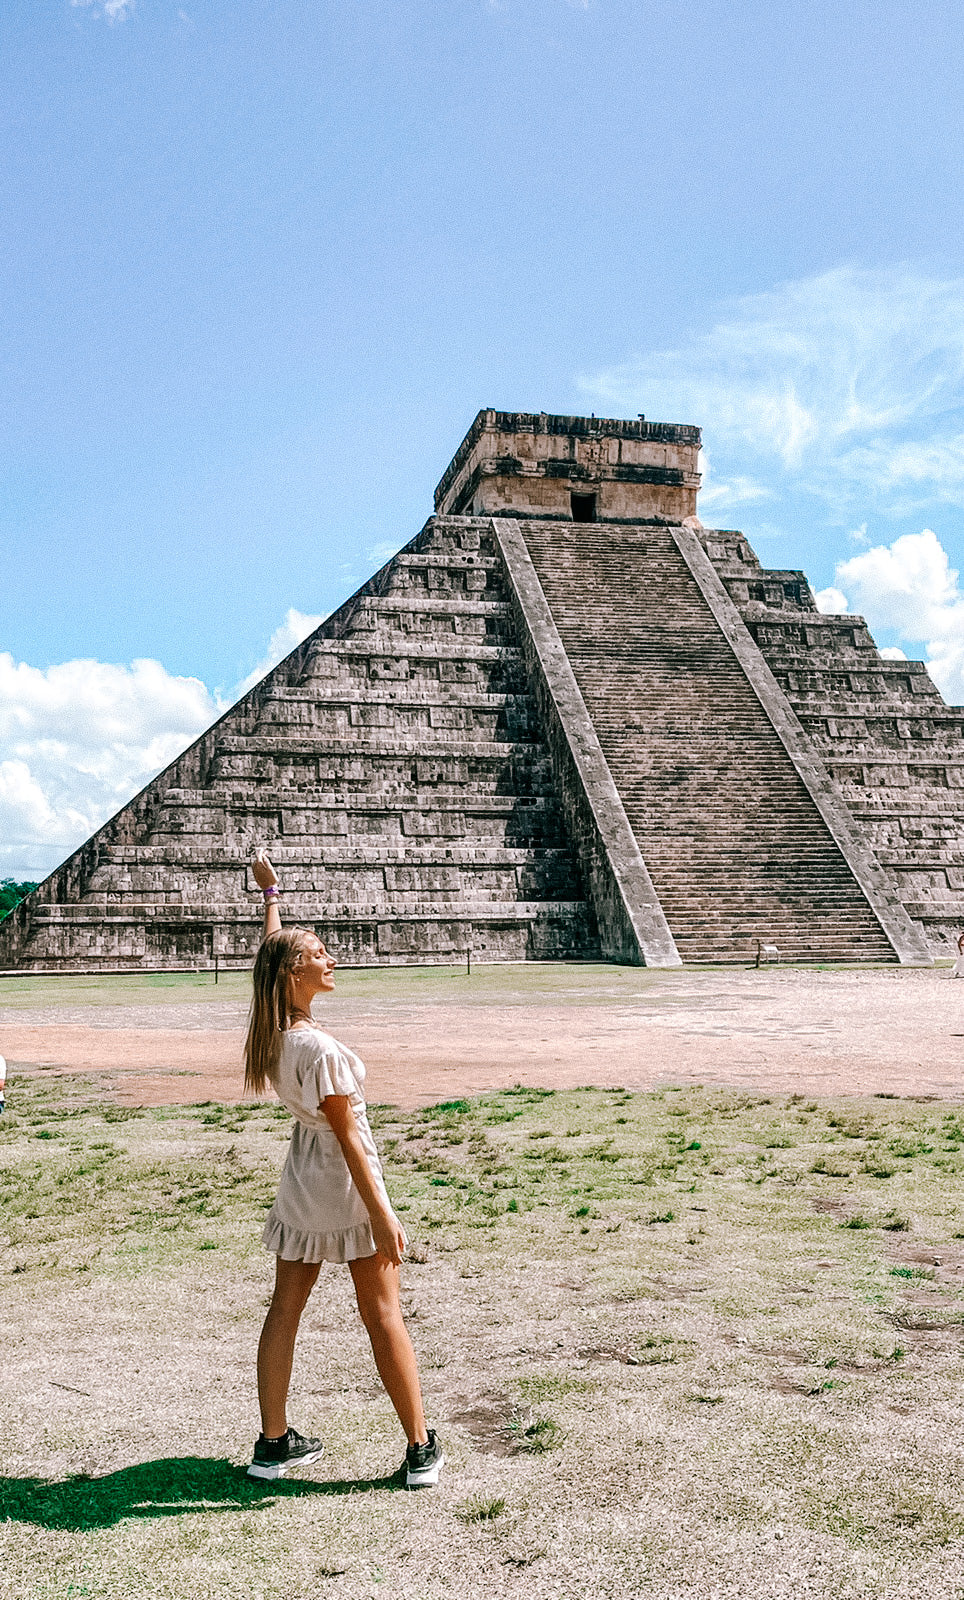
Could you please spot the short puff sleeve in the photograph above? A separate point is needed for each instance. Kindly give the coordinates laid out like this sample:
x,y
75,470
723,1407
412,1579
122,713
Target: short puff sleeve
x,y
330,1072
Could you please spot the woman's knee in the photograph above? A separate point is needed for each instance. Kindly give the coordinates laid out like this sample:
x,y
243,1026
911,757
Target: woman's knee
x,y
376,1291
377,1310
293,1284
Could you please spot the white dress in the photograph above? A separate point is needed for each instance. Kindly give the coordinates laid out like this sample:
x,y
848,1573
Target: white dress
x,y
318,1214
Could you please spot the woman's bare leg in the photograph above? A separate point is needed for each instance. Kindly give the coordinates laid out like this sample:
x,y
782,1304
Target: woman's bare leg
x,y
294,1282
376,1290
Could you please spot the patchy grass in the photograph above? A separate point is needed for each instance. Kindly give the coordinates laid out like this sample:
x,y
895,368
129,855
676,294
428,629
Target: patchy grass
x,y
536,1434
481,1508
690,1342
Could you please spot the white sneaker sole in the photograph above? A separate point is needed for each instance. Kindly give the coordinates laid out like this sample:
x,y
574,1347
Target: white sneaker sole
x,y
427,1478
277,1469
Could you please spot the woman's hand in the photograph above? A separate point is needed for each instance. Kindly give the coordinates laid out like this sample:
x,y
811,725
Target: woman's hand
x,y
263,872
389,1236
266,878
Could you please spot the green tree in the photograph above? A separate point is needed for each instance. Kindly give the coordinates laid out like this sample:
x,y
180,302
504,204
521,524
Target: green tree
x,y
11,894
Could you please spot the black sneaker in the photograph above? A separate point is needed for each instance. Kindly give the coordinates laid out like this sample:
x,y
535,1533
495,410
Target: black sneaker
x,y
423,1463
273,1457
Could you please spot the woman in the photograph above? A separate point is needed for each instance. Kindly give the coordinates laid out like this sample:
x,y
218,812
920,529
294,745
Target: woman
x,y
331,1204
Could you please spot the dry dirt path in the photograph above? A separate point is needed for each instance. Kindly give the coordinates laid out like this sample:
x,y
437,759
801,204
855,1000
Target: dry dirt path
x,y
882,1031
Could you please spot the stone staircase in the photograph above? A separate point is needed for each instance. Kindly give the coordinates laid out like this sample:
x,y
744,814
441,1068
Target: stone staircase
x,y
394,769
892,745
734,843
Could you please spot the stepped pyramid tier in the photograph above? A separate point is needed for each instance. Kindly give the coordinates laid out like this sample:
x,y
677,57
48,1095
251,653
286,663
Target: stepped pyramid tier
x,y
564,722
394,768
894,749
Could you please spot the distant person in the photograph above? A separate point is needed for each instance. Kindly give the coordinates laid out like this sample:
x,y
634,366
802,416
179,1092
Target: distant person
x,y
958,971
331,1203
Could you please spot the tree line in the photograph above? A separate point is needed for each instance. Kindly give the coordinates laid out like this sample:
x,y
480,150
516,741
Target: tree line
x,y
11,894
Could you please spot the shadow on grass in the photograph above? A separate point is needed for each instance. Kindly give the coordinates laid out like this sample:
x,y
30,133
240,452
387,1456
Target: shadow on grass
x,y
169,1488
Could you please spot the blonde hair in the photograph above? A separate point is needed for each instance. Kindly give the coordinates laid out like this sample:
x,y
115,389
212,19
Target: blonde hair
x,y
278,958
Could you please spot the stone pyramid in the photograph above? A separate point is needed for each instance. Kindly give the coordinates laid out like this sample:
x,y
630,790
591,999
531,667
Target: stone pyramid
x,y
565,722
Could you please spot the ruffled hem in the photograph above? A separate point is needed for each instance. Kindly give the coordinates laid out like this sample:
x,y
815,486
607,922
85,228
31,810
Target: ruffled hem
x,y
292,1244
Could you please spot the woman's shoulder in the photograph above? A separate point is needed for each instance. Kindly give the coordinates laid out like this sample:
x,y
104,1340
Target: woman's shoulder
x,y
312,1047
313,1039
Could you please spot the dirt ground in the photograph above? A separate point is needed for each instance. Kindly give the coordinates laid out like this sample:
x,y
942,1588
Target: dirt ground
x,y
438,1035
693,1346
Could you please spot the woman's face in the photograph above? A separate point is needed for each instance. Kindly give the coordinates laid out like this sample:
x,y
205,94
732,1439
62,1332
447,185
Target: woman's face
x,y
315,973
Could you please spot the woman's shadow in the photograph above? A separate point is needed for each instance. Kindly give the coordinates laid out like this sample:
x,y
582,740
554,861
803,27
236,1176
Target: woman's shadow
x,y
169,1488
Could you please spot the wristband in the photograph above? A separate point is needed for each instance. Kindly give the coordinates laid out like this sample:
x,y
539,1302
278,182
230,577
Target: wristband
x,y
271,893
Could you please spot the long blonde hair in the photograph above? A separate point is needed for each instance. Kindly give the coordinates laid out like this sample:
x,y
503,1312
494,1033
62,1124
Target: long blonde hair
x,y
277,960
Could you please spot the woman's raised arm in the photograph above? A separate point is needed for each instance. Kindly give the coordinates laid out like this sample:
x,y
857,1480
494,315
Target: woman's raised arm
x,y
267,880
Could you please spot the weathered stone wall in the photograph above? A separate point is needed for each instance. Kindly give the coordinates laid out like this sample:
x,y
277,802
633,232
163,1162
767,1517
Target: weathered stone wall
x,y
520,464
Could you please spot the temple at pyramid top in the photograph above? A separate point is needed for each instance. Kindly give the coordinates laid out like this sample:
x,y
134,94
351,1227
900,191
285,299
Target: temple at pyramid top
x,y
589,469
565,721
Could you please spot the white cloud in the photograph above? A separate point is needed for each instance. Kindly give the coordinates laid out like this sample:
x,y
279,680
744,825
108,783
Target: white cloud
x,y
831,602
77,740
909,584
81,738
113,10
849,385
296,626
26,810
911,588
737,492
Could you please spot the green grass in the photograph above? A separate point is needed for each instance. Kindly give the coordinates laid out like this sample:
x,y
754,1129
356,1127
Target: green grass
x,y
503,983
649,1325
126,988
481,1508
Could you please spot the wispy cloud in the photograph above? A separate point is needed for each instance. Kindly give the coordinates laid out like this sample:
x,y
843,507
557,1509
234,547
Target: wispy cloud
x,y
110,10
365,563
719,495
296,626
849,385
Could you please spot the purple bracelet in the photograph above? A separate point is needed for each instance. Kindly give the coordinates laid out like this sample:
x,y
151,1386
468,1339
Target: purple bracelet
x,y
271,893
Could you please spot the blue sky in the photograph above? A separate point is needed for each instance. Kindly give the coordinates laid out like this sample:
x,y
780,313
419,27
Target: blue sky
x,y
263,262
